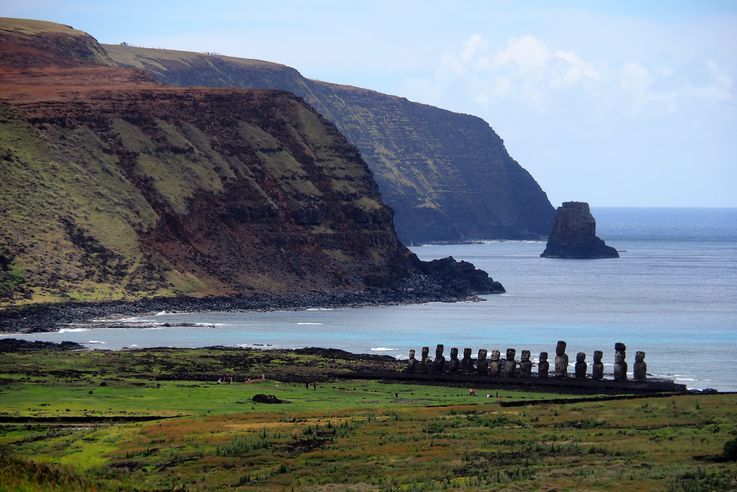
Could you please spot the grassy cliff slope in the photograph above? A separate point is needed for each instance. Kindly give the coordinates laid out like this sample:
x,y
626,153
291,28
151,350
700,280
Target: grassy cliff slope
x,y
115,187
447,175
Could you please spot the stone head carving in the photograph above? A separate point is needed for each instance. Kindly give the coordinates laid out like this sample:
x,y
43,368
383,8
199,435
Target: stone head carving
x,y
439,350
467,353
454,353
560,347
495,355
620,364
425,352
510,365
597,368
581,366
543,366
482,354
640,369
525,365
411,353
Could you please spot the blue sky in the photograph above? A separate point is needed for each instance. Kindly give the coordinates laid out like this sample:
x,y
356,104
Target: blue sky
x,y
617,103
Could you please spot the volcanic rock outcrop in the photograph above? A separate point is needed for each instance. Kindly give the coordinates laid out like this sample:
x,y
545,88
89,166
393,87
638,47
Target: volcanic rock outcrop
x,y
574,235
447,175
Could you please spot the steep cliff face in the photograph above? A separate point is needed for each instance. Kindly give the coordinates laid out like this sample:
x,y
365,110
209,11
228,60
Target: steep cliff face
x,y
447,175
115,187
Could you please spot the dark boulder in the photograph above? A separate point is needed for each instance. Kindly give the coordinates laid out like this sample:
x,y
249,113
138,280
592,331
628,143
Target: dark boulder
x,y
262,398
574,235
460,277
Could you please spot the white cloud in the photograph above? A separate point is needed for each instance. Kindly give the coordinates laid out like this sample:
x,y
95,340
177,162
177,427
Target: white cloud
x,y
529,73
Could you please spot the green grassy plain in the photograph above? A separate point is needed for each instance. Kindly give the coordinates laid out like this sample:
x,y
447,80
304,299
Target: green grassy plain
x,y
339,435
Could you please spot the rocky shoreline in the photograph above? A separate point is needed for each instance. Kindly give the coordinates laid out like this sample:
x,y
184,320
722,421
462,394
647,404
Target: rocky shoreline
x,y
51,317
444,280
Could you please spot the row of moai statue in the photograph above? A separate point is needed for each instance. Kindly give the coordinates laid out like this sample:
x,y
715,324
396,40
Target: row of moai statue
x,y
509,367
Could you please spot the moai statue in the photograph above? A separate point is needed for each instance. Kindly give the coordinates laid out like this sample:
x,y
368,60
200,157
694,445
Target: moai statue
x,y
426,361
482,365
597,368
543,366
454,363
640,368
510,365
525,364
561,360
439,363
466,362
412,362
581,365
495,364
620,364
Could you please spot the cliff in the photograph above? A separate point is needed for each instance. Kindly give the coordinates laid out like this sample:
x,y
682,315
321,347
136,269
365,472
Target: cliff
x,y
116,187
574,235
447,176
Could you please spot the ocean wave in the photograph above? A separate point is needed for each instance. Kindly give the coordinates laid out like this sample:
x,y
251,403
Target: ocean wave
x,y
309,323
383,349
95,342
73,330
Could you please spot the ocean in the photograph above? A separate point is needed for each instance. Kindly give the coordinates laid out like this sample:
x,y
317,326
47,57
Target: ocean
x,y
672,294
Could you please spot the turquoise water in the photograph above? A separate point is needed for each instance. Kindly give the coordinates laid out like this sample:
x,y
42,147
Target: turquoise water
x,y
673,294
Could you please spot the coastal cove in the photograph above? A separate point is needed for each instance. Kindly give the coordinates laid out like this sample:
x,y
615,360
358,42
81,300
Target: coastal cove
x,y
671,294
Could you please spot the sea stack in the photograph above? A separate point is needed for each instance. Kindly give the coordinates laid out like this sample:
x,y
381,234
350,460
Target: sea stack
x,y
574,235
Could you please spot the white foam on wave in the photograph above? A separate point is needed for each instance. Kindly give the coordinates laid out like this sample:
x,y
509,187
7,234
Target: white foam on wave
x,y
383,349
73,330
320,309
309,323
95,342
162,313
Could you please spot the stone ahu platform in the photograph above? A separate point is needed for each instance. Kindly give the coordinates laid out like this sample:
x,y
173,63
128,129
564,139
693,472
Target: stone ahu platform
x,y
510,373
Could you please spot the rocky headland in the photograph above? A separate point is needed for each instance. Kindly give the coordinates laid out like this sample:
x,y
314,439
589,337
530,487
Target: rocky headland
x,y
117,188
574,235
447,176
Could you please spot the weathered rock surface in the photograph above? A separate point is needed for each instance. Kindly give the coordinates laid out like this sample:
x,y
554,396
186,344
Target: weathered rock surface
x,y
574,235
447,175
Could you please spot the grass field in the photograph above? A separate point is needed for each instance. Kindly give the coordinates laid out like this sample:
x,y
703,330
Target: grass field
x,y
336,435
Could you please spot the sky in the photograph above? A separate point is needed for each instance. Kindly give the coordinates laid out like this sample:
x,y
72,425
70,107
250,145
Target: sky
x,y
618,103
